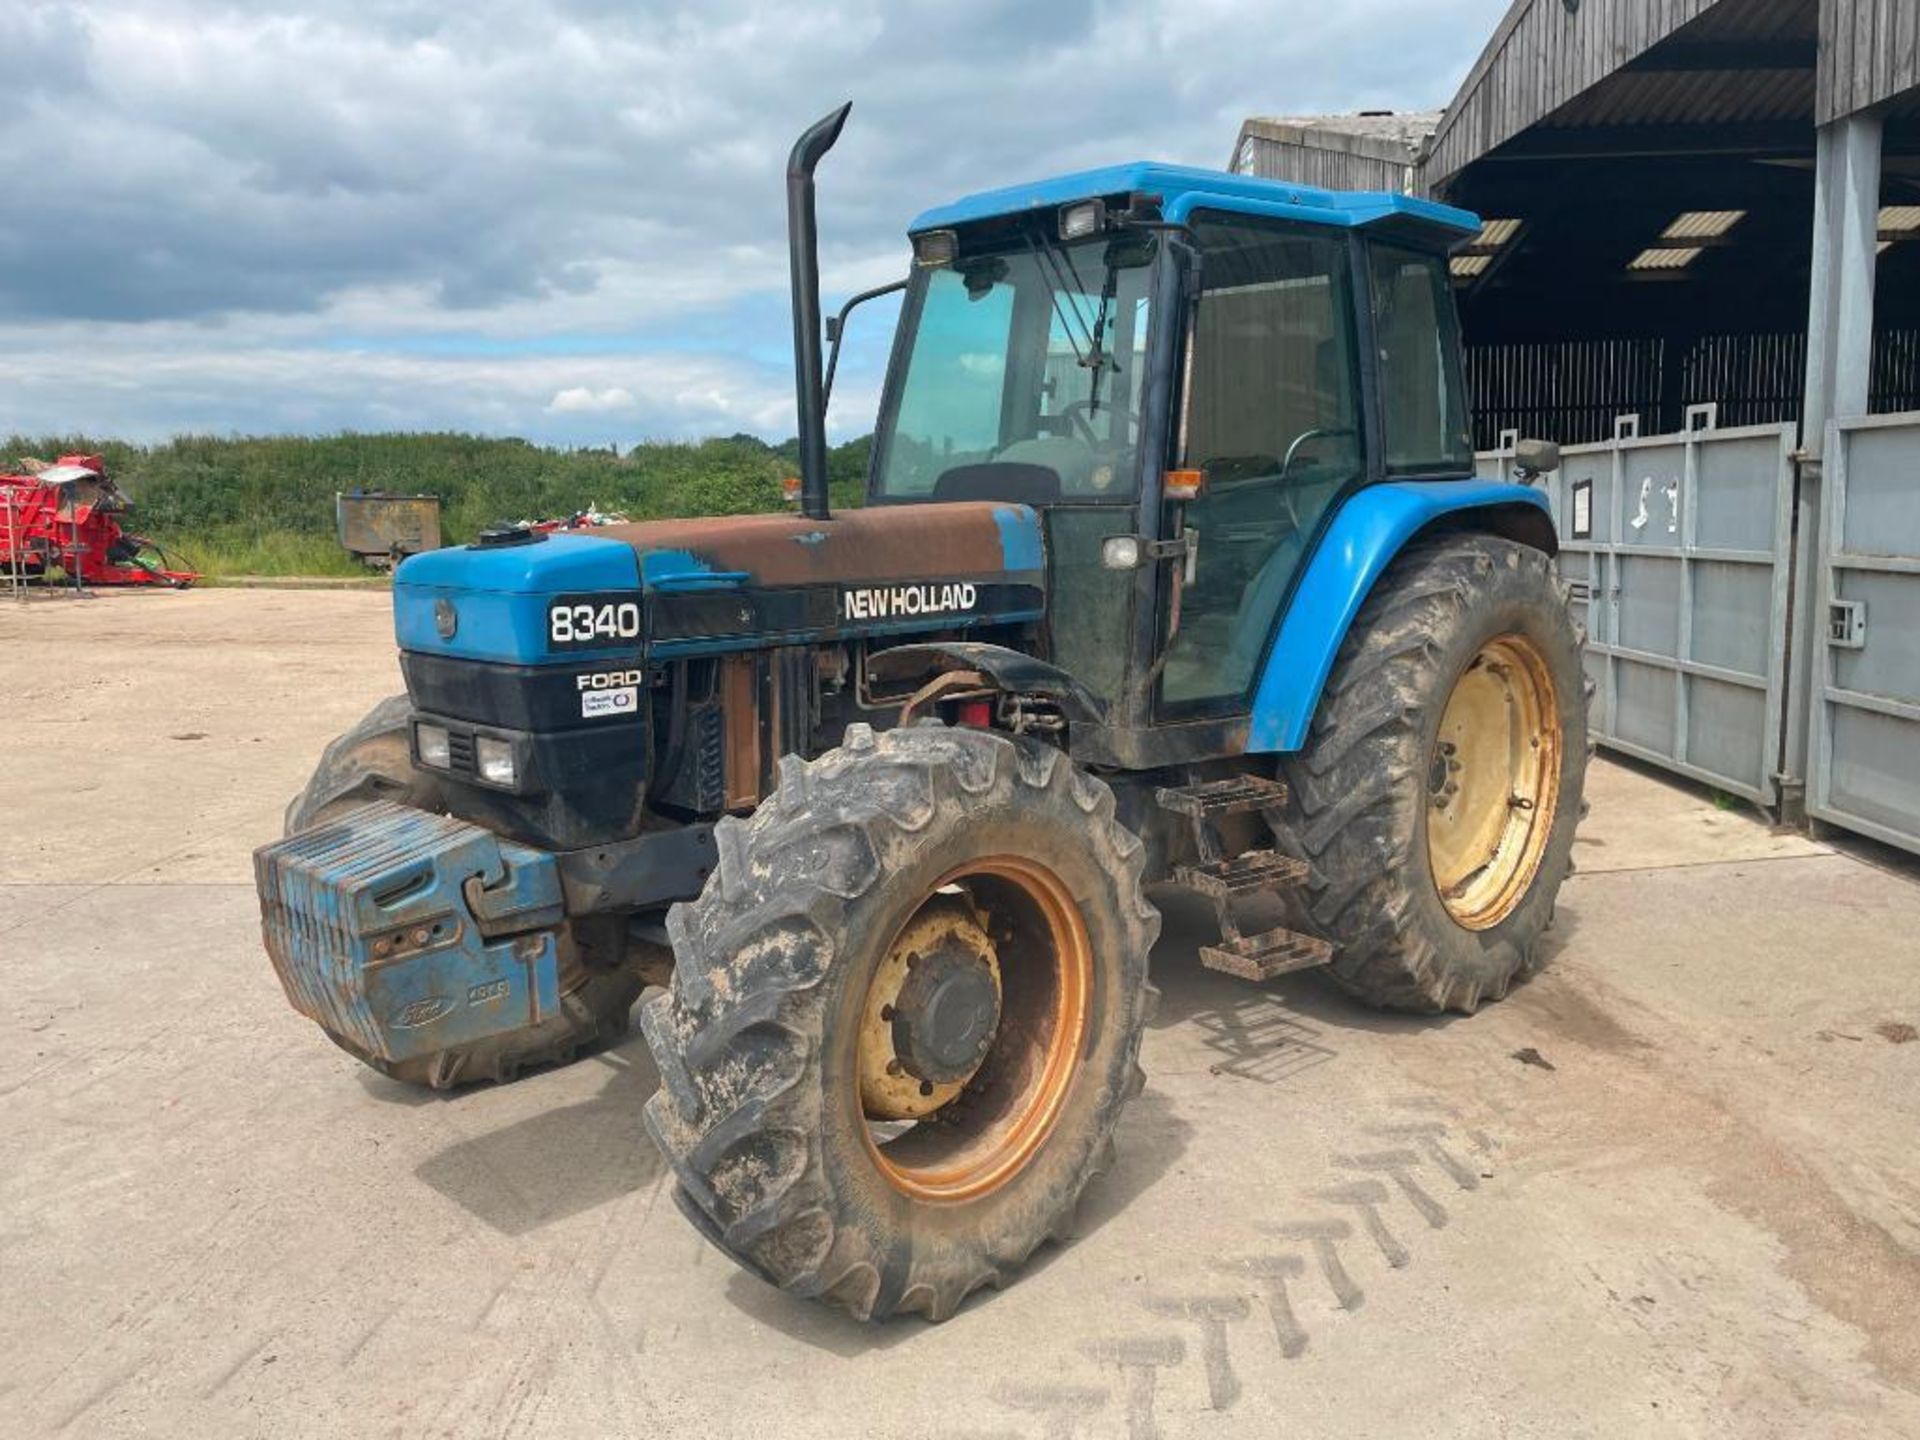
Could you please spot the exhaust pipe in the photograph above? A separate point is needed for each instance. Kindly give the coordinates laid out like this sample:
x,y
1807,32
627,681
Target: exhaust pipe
x,y
803,243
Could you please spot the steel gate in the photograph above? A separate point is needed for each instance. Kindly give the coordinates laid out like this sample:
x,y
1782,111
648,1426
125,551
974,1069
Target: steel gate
x,y
1677,549
1866,720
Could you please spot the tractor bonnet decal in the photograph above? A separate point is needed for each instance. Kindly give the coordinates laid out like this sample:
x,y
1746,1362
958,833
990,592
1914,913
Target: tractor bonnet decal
x,y
882,602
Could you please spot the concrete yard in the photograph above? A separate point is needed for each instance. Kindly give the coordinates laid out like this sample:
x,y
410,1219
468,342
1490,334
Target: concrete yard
x,y
1693,1208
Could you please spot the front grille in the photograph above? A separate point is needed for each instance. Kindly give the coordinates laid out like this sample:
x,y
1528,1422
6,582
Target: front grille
x,y
460,750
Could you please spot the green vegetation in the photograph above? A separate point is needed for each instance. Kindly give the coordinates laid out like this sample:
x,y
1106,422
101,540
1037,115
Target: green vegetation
x,y
264,506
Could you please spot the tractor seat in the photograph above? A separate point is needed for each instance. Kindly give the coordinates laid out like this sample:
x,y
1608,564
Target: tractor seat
x,y
1016,482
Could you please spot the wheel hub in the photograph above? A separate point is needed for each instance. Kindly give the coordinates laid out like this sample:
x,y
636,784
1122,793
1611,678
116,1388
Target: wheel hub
x,y
932,1012
1492,782
946,1013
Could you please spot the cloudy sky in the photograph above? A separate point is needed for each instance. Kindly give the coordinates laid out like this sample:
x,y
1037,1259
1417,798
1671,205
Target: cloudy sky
x,y
564,218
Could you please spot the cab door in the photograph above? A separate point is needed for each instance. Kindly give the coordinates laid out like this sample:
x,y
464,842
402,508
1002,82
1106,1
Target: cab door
x,y
1273,422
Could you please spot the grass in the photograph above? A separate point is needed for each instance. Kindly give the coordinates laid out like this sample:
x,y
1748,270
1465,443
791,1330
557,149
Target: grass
x,y
273,552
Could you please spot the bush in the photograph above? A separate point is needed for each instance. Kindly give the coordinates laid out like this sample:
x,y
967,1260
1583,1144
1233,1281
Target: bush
x,y
229,504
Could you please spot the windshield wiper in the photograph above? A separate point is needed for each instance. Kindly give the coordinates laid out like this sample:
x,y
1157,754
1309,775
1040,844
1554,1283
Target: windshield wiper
x,y
1097,360
1045,255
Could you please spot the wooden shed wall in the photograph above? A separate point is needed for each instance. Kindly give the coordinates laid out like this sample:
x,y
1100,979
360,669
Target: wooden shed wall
x,y
1869,53
1317,164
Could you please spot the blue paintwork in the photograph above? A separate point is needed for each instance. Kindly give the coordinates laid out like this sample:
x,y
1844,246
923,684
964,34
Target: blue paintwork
x,y
1365,535
1183,189
500,595
1021,546
334,898
682,570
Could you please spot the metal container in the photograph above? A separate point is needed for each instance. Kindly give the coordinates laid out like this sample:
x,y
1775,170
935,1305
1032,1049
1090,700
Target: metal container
x,y
384,529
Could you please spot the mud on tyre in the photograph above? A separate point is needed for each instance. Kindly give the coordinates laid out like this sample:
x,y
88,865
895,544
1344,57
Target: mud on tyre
x,y
966,850
1437,795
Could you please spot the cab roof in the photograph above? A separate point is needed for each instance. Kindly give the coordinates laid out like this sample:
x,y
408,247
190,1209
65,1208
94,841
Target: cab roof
x,y
1183,189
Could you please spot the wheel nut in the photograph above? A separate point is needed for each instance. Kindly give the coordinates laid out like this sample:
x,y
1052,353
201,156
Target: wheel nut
x,y
895,1068
420,936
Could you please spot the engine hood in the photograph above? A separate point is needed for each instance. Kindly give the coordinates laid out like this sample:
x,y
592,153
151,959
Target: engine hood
x,y
729,582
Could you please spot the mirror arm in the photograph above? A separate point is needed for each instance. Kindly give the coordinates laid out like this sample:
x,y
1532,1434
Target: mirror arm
x,y
837,328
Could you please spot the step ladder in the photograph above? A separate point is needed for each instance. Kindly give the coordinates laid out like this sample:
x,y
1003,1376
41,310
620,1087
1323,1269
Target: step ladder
x,y
1228,880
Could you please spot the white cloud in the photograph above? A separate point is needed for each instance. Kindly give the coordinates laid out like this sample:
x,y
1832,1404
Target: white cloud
x,y
300,213
582,400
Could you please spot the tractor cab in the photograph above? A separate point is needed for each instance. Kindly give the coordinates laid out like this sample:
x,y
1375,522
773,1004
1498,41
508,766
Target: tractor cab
x,y
1187,374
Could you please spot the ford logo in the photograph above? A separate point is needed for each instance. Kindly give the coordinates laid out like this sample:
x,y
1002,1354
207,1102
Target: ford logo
x,y
423,1011
446,619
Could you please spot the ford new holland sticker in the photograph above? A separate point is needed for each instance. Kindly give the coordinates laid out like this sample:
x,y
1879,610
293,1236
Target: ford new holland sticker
x,y
610,692
887,602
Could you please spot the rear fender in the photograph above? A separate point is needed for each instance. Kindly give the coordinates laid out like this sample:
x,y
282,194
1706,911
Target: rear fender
x,y
1374,526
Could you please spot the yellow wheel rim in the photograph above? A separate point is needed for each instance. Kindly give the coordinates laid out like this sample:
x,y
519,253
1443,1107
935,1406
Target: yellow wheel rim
x,y
967,1139
1493,781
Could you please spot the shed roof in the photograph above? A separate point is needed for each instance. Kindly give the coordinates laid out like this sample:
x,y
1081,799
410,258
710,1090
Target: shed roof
x,y
1619,63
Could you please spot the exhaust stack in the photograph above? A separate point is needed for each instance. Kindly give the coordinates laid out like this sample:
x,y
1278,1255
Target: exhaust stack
x,y
803,243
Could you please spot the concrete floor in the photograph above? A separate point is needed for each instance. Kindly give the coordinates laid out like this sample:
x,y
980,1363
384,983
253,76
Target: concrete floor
x,y
1695,1212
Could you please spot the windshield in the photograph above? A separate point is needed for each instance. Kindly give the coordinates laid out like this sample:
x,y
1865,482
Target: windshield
x,y
1020,375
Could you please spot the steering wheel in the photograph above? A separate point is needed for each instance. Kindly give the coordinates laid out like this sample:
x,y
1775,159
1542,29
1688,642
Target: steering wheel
x,y
1307,437
1079,413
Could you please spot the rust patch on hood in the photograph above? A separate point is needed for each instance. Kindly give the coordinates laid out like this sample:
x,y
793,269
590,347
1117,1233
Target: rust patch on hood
x,y
885,543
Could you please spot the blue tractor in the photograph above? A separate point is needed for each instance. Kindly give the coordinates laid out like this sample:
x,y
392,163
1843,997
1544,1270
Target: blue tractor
x,y
1173,570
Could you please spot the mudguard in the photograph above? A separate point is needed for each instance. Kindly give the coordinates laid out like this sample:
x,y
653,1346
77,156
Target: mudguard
x,y
1011,670
1366,534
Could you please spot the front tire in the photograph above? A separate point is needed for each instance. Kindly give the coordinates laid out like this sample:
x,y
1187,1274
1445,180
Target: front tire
x,y
1438,793
772,1047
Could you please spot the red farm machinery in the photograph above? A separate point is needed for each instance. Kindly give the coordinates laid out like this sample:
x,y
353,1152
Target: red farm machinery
x,y
66,516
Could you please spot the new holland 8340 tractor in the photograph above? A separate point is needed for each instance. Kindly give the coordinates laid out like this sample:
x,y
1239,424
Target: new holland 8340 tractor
x,y
1172,570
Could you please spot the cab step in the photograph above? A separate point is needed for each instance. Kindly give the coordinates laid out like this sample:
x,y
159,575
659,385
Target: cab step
x,y
1242,875
1266,955
1213,799
1246,885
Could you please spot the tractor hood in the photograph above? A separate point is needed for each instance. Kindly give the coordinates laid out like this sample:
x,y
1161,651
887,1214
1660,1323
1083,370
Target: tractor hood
x,y
672,588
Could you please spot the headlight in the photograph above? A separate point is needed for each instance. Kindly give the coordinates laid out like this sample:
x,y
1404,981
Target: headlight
x,y
494,758
433,745
1079,221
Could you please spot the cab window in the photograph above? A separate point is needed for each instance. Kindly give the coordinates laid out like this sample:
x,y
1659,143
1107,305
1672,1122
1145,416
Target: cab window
x,y
1423,411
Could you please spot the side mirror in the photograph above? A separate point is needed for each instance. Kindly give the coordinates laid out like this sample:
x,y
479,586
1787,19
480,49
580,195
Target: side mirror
x,y
1534,458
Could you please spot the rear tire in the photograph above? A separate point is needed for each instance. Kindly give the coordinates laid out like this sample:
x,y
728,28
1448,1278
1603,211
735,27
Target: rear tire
x,y
374,761
761,1044
1367,788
